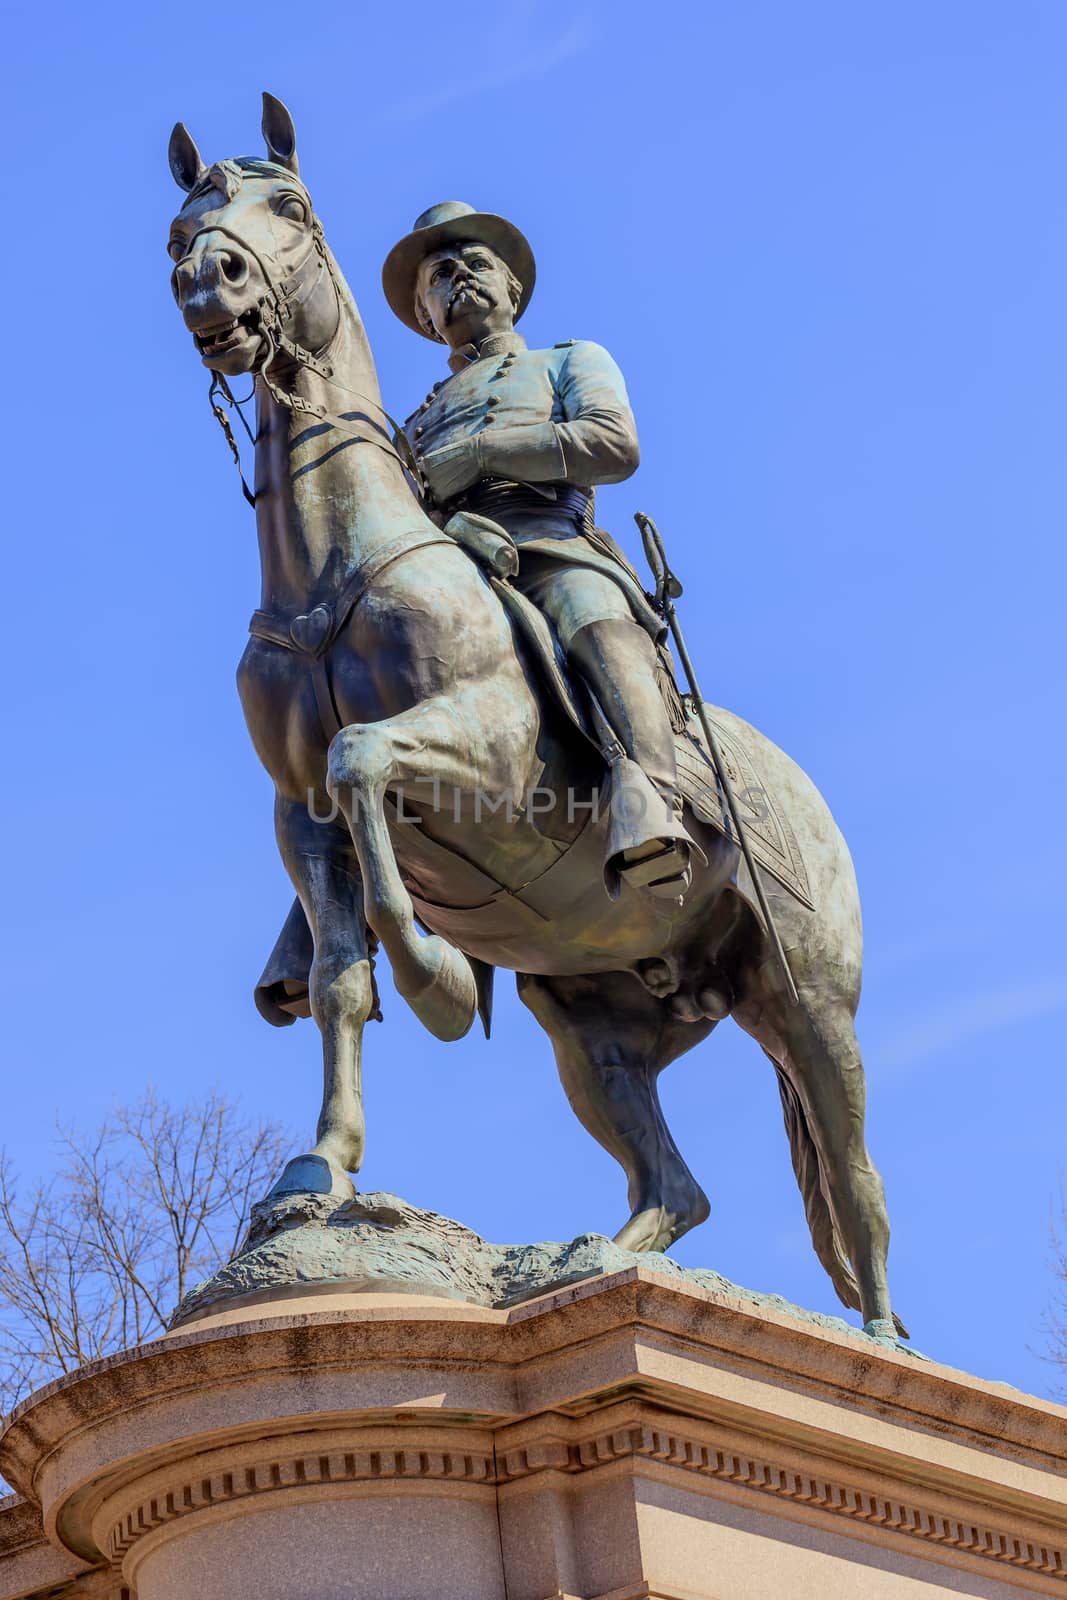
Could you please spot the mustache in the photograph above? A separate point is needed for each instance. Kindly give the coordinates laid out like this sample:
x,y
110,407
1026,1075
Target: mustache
x,y
468,286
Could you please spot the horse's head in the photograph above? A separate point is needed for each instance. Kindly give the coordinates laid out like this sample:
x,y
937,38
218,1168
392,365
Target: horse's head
x,y
251,267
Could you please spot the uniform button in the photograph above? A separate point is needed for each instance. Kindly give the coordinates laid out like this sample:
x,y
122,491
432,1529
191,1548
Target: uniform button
x,y
429,399
418,432
494,399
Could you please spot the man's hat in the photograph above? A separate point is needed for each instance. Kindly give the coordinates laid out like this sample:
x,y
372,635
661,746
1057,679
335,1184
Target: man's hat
x,y
443,224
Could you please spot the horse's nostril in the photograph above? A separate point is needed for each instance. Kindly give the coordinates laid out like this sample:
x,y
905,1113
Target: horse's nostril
x,y
179,282
234,266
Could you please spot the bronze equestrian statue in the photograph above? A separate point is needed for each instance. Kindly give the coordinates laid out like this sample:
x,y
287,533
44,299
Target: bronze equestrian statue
x,y
440,776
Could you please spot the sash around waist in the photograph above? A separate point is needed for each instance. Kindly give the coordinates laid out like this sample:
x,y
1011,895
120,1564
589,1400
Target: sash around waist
x,y
499,499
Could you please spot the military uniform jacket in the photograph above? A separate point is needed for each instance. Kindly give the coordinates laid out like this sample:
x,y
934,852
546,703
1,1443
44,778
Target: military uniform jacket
x,y
530,416
513,416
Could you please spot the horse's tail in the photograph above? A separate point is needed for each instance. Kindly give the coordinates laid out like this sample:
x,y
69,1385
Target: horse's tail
x,y
825,1235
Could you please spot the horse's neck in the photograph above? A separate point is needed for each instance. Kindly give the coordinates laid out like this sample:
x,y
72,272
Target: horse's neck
x,y
323,501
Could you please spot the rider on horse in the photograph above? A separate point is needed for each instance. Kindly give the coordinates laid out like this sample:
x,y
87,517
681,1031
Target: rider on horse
x,y
522,437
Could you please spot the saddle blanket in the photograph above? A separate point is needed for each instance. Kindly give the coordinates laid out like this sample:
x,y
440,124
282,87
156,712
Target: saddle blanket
x,y
771,839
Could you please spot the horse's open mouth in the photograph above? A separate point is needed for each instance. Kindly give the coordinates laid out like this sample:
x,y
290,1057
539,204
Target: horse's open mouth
x,y
225,336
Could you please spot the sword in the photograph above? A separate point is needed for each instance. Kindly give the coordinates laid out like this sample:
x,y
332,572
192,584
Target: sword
x,y
668,590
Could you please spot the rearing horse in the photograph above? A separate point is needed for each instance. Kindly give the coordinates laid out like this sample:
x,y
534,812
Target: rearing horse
x,y
384,661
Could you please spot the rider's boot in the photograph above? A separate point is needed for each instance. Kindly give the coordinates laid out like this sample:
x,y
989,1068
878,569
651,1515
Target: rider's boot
x,y
649,846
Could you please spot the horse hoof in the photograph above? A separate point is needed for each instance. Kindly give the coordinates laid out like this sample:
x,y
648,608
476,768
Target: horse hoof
x,y
645,1231
313,1174
883,1328
657,1227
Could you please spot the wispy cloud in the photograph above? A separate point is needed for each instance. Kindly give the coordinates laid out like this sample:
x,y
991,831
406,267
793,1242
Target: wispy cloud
x,y
969,1017
516,65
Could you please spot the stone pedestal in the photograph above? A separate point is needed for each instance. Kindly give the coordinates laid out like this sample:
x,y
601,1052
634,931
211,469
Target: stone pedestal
x,y
624,1439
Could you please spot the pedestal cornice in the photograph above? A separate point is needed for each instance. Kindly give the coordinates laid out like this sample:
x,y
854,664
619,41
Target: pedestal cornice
x,y
621,1380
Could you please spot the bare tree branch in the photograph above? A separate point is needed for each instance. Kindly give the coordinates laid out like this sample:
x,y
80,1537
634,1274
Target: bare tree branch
x,y
96,1258
1056,1317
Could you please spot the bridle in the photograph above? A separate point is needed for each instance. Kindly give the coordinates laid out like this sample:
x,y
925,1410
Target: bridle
x,y
274,311
311,634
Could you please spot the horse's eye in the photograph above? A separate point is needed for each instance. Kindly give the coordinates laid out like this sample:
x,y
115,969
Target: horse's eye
x,y
292,208
176,249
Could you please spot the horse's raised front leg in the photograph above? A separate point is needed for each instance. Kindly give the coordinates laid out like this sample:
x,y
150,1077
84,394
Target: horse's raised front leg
x,y
432,741
322,865
612,1039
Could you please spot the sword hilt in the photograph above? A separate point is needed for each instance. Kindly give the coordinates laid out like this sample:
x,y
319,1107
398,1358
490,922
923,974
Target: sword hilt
x,y
668,586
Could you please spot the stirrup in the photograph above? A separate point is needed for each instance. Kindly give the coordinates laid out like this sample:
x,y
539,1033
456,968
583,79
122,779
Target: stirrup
x,y
647,845
665,872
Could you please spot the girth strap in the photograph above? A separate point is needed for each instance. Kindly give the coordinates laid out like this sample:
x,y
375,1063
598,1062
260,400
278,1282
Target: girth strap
x,y
313,633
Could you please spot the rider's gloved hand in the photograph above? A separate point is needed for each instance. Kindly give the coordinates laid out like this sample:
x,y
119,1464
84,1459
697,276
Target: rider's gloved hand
x,y
530,453
452,469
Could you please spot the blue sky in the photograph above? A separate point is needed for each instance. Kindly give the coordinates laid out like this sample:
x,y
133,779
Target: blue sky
x,y
828,246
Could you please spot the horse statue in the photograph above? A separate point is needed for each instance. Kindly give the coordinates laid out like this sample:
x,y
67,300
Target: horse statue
x,y
412,715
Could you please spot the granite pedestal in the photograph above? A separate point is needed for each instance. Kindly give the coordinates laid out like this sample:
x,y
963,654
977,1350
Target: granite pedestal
x,y
622,1439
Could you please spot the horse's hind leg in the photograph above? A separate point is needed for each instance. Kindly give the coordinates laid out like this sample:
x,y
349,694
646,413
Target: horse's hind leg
x,y
612,1039
814,1049
321,862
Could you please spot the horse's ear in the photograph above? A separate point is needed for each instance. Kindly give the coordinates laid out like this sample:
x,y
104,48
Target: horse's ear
x,y
280,134
185,162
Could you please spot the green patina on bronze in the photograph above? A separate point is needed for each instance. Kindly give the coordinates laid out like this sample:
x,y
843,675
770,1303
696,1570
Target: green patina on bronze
x,y
444,635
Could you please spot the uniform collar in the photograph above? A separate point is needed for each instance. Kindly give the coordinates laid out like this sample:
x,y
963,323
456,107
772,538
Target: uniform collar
x,y
497,344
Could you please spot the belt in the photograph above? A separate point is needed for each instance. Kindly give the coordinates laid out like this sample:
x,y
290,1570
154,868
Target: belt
x,y
499,498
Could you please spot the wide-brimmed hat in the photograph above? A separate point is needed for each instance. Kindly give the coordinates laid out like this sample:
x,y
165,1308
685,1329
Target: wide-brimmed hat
x,y
444,224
